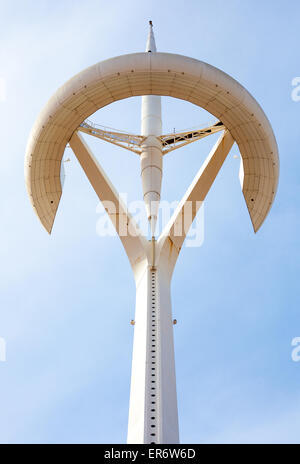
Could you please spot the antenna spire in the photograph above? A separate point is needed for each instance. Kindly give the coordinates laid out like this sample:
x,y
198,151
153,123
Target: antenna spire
x,y
151,46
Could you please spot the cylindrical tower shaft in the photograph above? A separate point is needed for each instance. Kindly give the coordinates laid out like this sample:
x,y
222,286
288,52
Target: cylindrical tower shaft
x,y
151,156
153,415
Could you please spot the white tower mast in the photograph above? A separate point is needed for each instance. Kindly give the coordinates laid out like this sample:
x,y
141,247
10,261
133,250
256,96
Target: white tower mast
x,y
153,416
151,156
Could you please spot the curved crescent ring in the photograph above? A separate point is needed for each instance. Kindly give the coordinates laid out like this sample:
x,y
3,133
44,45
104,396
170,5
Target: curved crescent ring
x,y
159,74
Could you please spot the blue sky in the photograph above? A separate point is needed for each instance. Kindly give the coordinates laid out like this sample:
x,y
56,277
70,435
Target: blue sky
x,y
66,300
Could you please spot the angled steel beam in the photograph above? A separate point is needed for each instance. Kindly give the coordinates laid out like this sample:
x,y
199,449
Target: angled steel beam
x,y
171,142
134,142
122,139
131,236
174,234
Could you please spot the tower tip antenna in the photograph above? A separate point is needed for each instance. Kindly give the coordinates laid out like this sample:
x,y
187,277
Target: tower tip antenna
x,y
150,47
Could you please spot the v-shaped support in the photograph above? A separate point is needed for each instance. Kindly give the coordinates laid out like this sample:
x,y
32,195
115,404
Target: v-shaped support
x,y
153,416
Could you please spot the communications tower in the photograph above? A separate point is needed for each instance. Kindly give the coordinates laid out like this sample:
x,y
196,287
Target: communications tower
x,y
153,416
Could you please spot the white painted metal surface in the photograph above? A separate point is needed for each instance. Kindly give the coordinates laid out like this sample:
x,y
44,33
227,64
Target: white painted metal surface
x,y
153,416
161,74
151,156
